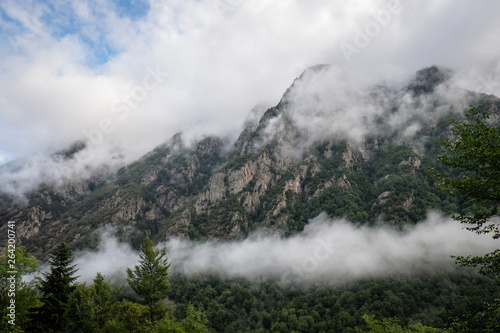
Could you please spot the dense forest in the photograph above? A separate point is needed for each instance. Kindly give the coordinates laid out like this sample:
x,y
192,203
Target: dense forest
x,y
214,304
443,301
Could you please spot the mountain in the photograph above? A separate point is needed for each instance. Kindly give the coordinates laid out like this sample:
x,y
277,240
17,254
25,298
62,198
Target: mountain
x,y
362,154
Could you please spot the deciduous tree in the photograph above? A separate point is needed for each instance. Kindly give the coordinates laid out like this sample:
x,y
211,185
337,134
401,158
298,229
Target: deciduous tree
x,y
475,150
14,287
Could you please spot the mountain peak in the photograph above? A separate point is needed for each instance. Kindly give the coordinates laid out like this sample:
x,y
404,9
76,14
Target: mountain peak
x,y
426,80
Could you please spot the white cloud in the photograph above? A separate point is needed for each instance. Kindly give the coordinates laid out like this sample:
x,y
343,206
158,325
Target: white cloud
x,y
220,63
327,251
111,259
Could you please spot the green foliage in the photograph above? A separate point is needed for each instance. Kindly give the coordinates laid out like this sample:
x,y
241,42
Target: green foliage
x,y
391,326
195,321
476,150
436,300
56,289
58,304
355,194
134,172
24,293
55,205
237,161
220,216
487,320
241,306
129,317
91,307
149,279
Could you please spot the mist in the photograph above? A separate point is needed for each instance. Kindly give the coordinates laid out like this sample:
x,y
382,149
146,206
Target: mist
x,y
326,252
111,259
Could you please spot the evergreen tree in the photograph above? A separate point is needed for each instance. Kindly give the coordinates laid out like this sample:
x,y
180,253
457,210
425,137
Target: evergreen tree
x,y
56,289
90,307
149,279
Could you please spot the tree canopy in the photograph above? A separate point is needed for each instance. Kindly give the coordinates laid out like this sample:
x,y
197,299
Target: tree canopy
x,y
475,150
24,292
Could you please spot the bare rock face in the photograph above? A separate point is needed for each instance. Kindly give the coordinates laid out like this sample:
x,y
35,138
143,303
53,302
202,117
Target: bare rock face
x,y
36,216
216,187
238,179
169,199
181,226
150,176
128,210
413,162
409,201
382,198
353,155
262,177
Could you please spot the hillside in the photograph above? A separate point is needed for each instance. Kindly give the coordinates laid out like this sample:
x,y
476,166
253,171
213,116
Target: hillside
x,y
245,220
365,158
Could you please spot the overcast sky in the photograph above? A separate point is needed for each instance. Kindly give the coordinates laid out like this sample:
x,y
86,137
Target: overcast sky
x,y
130,74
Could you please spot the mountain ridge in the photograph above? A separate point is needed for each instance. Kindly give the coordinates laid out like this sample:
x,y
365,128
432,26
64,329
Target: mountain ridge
x,y
281,172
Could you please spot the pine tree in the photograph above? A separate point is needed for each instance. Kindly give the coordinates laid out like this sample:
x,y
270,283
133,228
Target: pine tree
x,y
56,289
149,279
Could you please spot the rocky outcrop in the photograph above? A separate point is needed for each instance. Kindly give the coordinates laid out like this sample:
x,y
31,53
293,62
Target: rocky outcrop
x,y
181,226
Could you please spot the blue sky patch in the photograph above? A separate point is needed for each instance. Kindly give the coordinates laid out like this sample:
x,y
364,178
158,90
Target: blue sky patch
x,y
133,9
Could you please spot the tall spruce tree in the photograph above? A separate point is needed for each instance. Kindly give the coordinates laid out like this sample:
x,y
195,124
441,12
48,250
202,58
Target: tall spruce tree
x,y
56,288
149,279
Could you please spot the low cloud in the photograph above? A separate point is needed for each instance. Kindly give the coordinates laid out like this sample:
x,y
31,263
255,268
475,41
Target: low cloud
x,y
326,252
329,102
111,259
20,177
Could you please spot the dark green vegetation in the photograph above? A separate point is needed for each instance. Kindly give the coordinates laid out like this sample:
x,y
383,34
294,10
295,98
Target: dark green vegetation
x,y
56,289
149,279
212,304
477,151
436,300
26,295
57,303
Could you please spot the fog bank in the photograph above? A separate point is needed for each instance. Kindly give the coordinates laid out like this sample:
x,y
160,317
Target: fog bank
x,y
326,251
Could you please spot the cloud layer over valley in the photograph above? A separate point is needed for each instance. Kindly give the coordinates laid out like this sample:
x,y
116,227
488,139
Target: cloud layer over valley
x,y
326,252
